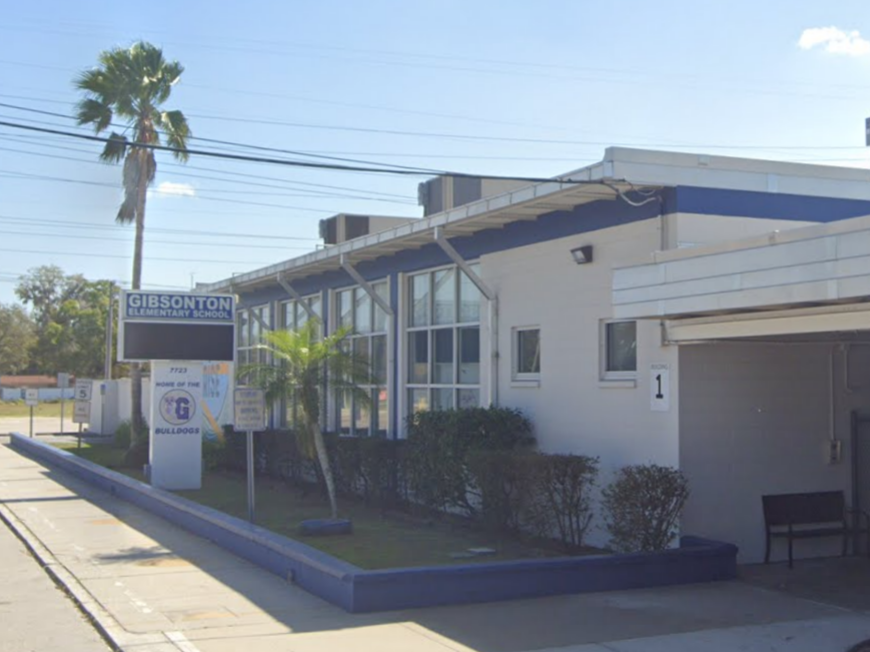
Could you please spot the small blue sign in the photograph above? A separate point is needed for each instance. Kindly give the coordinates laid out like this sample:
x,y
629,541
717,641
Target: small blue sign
x,y
178,307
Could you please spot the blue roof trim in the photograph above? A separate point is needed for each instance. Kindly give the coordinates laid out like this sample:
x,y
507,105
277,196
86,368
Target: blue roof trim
x,y
741,203
583,219
551,226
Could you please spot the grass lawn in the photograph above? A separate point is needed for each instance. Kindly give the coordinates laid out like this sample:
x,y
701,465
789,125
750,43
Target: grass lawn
x,y
380,540
44,409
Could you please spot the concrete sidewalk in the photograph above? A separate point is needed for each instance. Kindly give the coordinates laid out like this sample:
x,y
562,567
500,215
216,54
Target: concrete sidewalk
x,y
154,587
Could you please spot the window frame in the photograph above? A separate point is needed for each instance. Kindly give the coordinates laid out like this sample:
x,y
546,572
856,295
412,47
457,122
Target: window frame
x,y
456,326
604,352
371,334
516,355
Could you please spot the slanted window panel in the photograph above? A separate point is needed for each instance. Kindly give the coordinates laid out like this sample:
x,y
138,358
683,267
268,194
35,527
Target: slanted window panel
x,y
621,346
469,356
361,349
345,412
469,298
445,297
420,300
418,357
362,320
301,317
379,359
528,352
242,335
361,416
381,411
380,323
345,309
442,368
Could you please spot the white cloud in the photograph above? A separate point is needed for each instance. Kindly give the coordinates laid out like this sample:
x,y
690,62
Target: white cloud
x,y
170,189
835,41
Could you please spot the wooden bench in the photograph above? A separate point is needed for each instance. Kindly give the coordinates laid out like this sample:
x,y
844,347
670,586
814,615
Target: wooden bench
x,y
809,515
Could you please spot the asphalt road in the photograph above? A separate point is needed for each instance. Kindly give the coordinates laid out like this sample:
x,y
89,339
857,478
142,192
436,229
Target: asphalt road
x,y
40,425
35,613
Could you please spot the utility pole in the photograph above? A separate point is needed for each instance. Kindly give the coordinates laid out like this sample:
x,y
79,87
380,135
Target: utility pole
x,y
107,371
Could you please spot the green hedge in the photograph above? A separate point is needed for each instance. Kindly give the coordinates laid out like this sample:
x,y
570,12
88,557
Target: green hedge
x,y
478,463
440,442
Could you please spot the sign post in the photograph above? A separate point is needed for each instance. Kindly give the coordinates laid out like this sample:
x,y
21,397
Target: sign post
x,y
31,399
82,405
62,384
250,416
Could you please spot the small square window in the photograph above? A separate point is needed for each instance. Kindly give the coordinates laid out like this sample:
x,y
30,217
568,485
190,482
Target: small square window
x,y
620,349
527,353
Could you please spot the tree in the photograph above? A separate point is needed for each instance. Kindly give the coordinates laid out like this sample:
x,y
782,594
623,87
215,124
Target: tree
x,y
46,288
131,85
70,315
303,365
17,334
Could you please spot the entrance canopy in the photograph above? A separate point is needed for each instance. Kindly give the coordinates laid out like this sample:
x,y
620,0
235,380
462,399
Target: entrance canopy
x,y
803,281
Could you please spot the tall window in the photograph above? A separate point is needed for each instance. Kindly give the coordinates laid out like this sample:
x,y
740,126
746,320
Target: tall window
x,y
527,354
293,317
619,349
249,334
368,340
443,341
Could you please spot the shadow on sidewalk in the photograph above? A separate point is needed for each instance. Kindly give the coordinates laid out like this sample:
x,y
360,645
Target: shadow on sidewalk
x,y
494,627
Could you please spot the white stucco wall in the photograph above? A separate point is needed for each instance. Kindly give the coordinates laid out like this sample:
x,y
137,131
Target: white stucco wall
x,y
755,419
573,409
691,229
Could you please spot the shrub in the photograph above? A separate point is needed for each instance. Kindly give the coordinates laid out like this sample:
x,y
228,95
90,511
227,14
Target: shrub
x,y
440,441
558,493
500,478
642,505
123,433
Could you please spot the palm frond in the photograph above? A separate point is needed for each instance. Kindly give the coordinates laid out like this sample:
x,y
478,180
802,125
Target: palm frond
x,y
174,124
115,149
94,112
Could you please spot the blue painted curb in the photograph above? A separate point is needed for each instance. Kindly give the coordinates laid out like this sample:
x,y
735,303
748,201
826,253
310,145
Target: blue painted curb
x,y
357,590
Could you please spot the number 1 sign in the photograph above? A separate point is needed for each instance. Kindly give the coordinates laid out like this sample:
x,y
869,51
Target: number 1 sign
x,y
659,387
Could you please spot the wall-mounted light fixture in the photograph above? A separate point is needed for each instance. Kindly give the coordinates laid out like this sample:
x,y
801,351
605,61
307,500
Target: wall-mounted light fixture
x,y
582,255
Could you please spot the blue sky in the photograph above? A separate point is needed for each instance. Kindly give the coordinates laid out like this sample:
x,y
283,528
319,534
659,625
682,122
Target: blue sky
x,y
507,88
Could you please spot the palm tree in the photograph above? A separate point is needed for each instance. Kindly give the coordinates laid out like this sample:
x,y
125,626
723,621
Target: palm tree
x,y
303,364
130,85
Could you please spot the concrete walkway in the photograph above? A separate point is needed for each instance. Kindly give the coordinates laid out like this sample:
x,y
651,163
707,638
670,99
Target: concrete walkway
x,y
153,587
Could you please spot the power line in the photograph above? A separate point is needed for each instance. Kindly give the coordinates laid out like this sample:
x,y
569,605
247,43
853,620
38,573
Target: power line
x,y
97,255
28,139
304,164
185,243
114,227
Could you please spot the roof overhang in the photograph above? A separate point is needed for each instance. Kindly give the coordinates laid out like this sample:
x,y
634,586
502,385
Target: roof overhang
x,y
527,203
806,280
621,170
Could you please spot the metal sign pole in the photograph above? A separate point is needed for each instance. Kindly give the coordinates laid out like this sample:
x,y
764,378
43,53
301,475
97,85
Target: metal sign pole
x,y
251,476
31,422
61,411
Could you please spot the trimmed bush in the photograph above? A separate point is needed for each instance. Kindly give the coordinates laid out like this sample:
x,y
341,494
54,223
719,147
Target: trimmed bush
x,y
501,481
642,505
559,501
440,441
123,433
